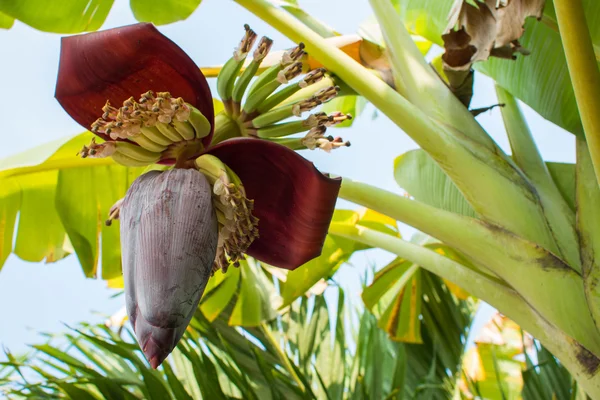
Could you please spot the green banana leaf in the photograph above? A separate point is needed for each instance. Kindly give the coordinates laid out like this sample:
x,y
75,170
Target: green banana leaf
x,y
58,16
75,16
161,12
6,22
62,202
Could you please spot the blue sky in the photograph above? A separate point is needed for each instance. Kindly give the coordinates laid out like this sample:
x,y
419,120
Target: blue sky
x,y
39,297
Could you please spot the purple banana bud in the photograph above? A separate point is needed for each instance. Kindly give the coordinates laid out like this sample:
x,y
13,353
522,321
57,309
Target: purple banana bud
x,y
169,240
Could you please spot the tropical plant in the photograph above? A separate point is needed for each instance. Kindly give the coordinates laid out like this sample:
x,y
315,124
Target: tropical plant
x,y
307,353
298,356
514,231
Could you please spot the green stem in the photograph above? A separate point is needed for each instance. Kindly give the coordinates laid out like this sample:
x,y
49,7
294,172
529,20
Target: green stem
x,y
588,225
579,362
282,356
523,147
470,279
536,274
559,215
583,70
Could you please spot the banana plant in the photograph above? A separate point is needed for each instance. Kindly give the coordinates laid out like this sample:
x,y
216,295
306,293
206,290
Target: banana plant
x,y
514,230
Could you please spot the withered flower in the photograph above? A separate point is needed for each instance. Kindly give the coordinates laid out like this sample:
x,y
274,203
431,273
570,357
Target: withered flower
x,y
219,202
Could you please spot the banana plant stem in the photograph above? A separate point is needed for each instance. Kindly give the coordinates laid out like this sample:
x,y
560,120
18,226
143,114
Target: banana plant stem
x,y
579,361
519,263
471,280
583,70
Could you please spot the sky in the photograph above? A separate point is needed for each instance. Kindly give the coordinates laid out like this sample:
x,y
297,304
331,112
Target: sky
x,y
37,297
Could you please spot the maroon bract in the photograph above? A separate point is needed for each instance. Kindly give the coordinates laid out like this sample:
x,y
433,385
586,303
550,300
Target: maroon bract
x,y
293,201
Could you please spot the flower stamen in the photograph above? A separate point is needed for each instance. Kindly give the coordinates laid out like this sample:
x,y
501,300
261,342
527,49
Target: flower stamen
x,y
238,228
245,44
97,150
292,55
315,139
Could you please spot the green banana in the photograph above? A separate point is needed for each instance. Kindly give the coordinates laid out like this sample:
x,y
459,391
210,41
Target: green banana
x,y
226,78
260,53
267,76
231,69
211,166
127,161
278,98
169,132
148,144
199,122
136,152
255,99
279,130
273,116
156,136
271,73
244,80
184,129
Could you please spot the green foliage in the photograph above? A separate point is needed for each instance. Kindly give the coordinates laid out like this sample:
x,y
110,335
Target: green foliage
x,y
292,352
58,16
62,202
76,16
6,22
161,12
544,71
304,354
547,378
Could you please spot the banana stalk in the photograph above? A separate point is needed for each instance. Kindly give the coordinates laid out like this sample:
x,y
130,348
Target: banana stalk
x,y
536,274
588,226
560,217
582,364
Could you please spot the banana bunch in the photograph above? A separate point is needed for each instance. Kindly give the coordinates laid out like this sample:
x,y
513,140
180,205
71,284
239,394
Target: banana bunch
x,y
150,126
276,95
159,137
